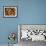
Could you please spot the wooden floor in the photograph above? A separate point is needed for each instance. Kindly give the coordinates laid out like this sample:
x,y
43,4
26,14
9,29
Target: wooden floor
x,y
30,43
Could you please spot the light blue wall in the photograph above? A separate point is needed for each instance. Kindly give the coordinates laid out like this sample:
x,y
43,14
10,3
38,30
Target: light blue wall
x,y
33,12
7,25
29,12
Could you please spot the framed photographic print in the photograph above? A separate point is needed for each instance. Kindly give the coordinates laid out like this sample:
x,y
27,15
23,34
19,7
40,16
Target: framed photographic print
x,y
10,11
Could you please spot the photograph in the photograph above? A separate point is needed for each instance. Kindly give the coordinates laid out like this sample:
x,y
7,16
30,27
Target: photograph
x,y
10,11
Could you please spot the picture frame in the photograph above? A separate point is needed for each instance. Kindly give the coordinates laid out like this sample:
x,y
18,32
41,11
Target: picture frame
x,y
10,11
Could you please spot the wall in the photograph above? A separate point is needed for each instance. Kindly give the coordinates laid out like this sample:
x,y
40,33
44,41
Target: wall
x,y
7,25
29,12
32,11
